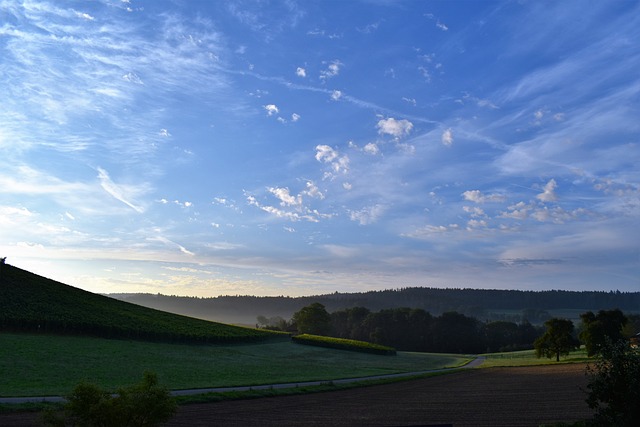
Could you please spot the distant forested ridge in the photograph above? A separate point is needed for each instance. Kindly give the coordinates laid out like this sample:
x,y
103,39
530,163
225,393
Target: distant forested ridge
x,y
483,304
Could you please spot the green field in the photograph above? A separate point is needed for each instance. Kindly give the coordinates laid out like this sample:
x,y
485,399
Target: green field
x,y
36,365
528,358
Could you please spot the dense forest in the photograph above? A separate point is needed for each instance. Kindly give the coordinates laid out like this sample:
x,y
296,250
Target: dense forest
x,y
451,332
417,330
483,304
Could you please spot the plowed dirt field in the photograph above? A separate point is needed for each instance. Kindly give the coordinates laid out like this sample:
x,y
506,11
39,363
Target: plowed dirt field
x,y
527,396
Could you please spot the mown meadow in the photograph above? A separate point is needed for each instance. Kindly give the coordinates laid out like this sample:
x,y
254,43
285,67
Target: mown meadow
x,y
37,365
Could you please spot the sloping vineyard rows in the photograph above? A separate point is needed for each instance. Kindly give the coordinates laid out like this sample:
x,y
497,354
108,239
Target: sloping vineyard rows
x,y
32,303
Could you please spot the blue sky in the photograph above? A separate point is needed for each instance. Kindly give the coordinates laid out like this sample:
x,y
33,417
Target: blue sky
x,y
296,148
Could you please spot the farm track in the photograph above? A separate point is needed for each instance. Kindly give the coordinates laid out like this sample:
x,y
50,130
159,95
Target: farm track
x,y
523,396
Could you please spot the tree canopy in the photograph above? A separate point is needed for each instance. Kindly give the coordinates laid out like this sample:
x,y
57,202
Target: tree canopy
x,y
598,328
557,340
312,319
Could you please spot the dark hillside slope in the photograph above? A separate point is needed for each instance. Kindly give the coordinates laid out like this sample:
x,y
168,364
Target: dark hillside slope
x,y
32,303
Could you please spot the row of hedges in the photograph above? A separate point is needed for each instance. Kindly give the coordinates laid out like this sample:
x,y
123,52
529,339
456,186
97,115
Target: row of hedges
x,y
343,344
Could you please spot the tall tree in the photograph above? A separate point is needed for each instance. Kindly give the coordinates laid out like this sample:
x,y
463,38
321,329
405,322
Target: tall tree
x,y
598,328
312,319
557,340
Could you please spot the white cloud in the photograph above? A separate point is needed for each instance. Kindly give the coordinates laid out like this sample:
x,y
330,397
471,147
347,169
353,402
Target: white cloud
x,y
301,72
336,95
11,210
338,163
324,153
393,127
333,69
313,190
442,26
85,16
407,148
447,137
164,133
477,197
474,211
473,224
286,199
271,109
368,215
295,117
518,211
183,204
118,192
429,231
371,148
549,194
298,213
173,244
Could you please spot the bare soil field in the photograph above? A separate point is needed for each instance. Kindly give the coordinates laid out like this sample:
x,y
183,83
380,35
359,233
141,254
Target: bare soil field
x,y
522,396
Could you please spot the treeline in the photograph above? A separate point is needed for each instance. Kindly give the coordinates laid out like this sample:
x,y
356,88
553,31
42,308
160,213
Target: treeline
x,y
414,329
483,304
417,330
410,329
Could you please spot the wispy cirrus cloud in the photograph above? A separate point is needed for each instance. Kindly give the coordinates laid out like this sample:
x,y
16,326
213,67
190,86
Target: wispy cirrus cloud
x,y
119,192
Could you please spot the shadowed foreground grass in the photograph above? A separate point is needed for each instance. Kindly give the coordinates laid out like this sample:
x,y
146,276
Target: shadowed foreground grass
x,y
37,365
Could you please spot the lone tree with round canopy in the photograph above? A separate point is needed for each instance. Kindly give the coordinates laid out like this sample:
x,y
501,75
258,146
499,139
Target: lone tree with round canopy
x,y
557,340
312,319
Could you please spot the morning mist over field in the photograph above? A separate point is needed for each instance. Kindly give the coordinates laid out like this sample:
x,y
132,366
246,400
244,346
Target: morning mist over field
x,y
303,148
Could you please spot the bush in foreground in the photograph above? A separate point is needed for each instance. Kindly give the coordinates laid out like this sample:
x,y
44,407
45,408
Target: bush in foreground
x,y
343,344
614,385
144,404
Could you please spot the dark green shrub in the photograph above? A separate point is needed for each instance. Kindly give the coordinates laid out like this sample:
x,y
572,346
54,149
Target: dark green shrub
x,y
614,385
144,404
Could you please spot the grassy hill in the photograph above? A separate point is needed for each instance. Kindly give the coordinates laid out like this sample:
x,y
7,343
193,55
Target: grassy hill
x,y
32,303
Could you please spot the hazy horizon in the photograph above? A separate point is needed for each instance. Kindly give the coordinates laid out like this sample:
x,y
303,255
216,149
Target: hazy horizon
x,y
307,147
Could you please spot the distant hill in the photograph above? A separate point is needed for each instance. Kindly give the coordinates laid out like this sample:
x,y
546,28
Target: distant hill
x,y
484,304
32,303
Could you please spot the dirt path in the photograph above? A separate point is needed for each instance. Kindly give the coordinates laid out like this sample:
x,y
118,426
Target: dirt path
x,y
478,397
